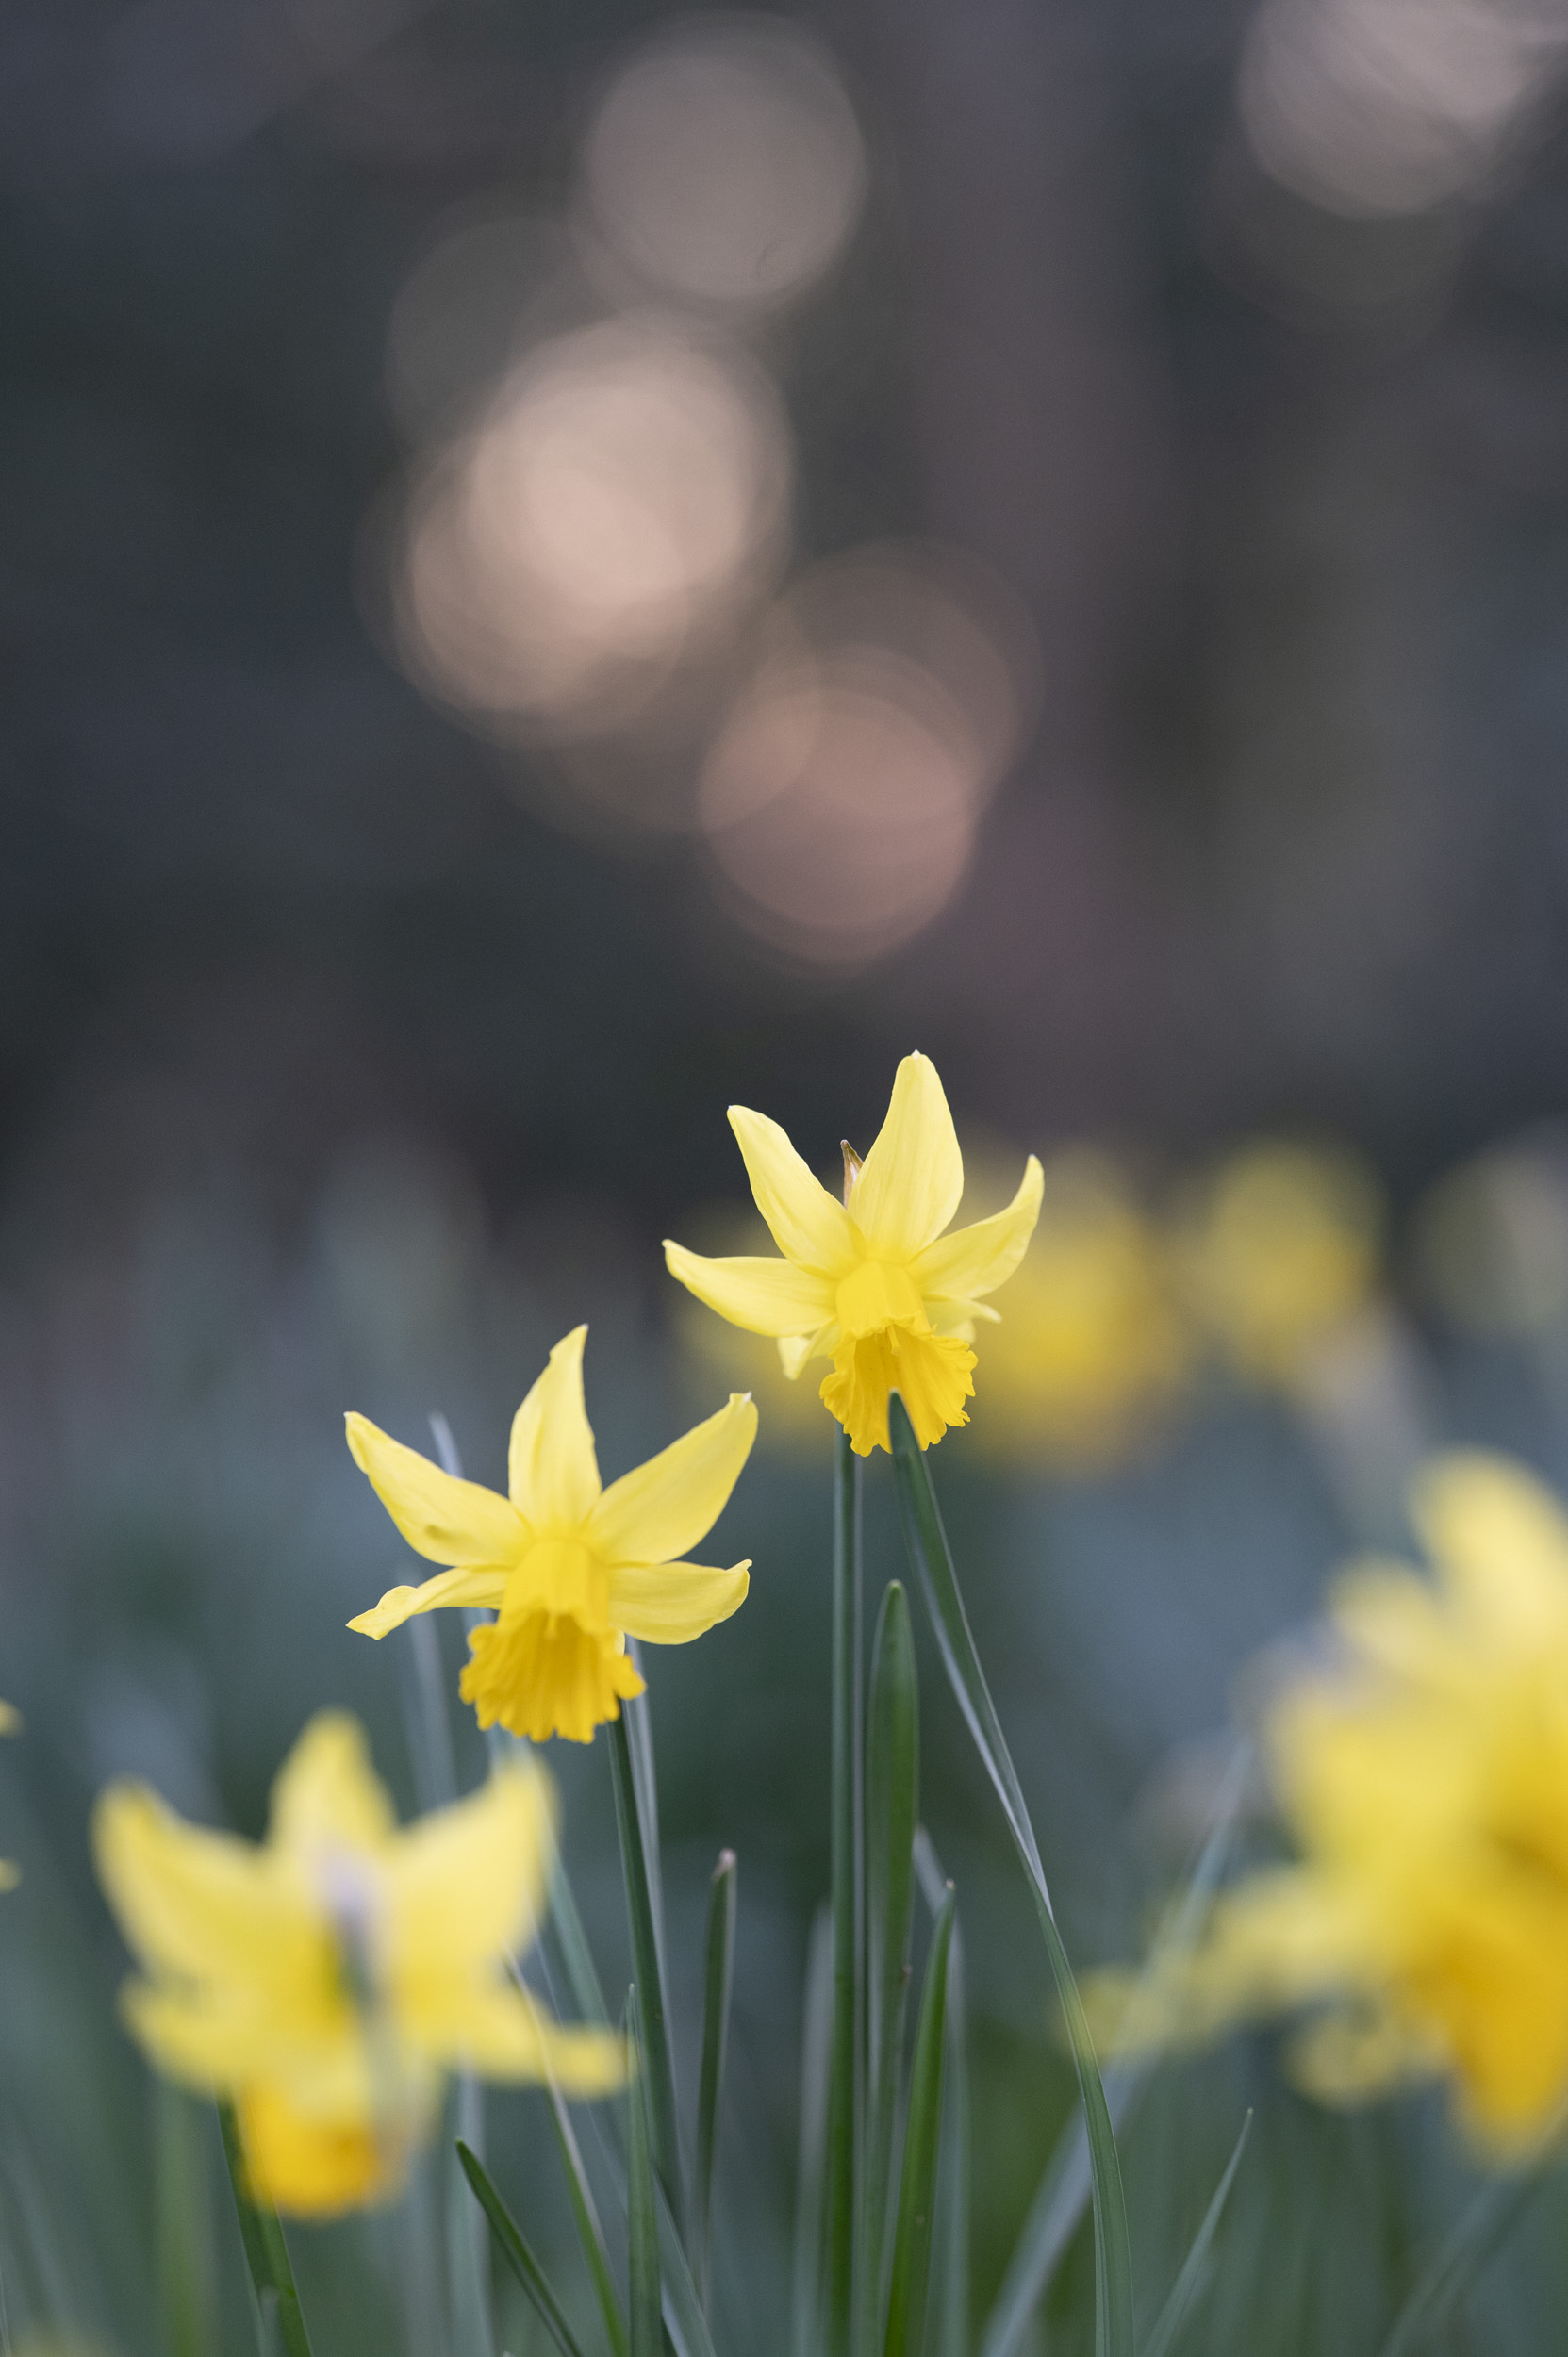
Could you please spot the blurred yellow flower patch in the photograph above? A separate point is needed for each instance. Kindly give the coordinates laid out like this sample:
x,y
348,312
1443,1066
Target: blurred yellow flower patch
x,y
1422,1770
323,1981
873,1282
572,1569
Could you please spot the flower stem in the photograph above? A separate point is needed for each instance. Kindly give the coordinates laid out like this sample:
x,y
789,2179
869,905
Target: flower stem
x,y
845,2098
642,1913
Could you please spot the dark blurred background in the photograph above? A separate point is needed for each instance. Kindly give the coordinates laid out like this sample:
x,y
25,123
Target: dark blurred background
x,y
563,566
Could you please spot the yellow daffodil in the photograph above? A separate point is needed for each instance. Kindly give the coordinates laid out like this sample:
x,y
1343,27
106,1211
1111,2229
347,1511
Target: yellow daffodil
x,y
873,1282
573,1569
1424,1774
1093,1347
323,1981
1280,1250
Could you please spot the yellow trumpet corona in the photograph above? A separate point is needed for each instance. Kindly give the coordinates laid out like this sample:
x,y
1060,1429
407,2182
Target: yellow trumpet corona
x,y
323,1981
874,1282
572,1569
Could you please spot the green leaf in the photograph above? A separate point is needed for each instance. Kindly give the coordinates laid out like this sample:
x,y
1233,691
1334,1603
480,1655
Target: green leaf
x,y
892,1807
590,2233
182,2205
811,2182
467,2250
912,2240
718,1978
1476,2236
644,1911
642,2218
266,2251
926,1544
845,2078
587,1995
1173,2315
518,2255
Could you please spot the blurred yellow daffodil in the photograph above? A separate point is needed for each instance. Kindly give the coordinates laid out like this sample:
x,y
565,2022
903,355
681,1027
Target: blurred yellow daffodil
x,y
1279,1249
873,1282
574,1569
1424,1774
10,1723
325,1980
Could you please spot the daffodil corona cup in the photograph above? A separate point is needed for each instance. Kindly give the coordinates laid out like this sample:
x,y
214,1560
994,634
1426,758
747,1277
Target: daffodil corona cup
x,y
1423,1772
571,1569
324,1980
876,1283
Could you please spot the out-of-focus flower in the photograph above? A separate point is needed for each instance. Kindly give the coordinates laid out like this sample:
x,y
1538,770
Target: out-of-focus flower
x,y
1423,1773
573,1569
1493,1238
325,1980
1278,1250
872,1282
10,1723
1093,1344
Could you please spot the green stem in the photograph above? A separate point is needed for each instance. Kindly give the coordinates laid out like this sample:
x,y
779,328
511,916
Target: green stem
x,y
845,2100
267,2254
642,1917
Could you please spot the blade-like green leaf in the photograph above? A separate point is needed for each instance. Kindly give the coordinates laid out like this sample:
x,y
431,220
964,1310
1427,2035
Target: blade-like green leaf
x,y
467,2267
910,2283
643,1912
518,2257
805,2337
183,2206
587,1995
590,2233
892,1807
1064,2184
1173,2315
717,1977
266,2251
932,1560
645,2303
1482,2227
950,2329
846,2082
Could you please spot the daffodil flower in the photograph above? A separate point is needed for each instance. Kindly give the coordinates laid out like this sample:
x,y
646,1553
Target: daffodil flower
x,y
1423,1771
324,1980
874,1282
573,1569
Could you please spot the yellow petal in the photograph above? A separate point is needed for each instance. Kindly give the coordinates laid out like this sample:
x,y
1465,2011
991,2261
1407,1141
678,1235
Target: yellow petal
x,y
656,1512
911,1181
975,1259
217,2042
308,2166
668,1604
195,1903
809,1226
796,1349
766,1297
327,1794
503,2033
1500,1538
554,1472
448,1520
482,1584
465,1884
11,1718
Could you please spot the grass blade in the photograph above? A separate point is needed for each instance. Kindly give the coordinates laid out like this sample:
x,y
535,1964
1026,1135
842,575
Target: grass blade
x,y
1476,2236
643,1912
266,2251
812,2160
927,1543
950,2337
587,1995
518,2255
892,1808
466,2249
846,2065
641,2215
1173,2315
912,2240
183,2206
590,2233
718,1978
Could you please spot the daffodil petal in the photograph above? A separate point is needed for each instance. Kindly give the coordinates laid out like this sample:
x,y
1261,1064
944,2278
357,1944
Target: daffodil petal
x,y
670,1604
1500,1539
808,1226
796,1349
468,1883
194,1903
910,1182
975,1259
656,1512
505,2034
765,1297
553,1474
482,1585
326,1793
448,1520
